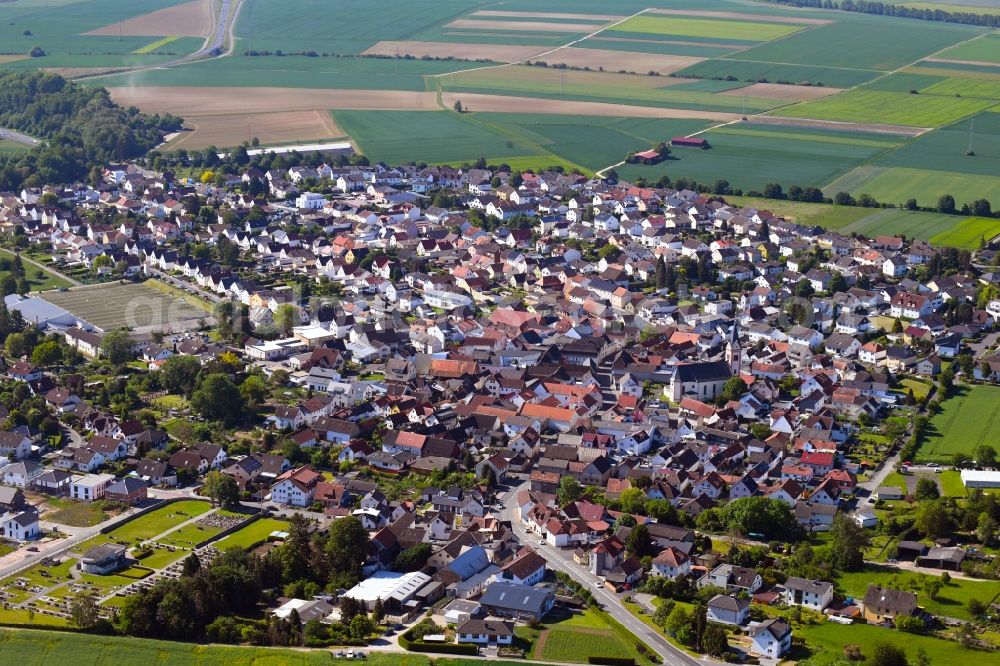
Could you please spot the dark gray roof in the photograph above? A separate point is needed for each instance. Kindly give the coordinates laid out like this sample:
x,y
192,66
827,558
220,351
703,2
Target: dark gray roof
x,y
515,597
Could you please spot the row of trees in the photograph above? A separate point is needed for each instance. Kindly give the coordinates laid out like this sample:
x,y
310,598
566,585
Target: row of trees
x,y
902,11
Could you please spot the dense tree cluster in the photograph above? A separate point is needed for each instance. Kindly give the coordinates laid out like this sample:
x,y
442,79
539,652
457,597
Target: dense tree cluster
x,y
211,601
81,128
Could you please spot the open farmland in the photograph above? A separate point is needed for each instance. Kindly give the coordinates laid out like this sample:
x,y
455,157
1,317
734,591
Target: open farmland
x,y
744,30
897,184
113,305
228,130
599,87
189,19
871,106
64,32
805,157
984,49
965,421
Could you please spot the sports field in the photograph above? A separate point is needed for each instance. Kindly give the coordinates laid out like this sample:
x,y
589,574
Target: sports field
x,y
966,420
113,305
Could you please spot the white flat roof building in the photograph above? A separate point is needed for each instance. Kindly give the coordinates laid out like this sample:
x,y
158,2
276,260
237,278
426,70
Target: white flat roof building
x,y
974,478
388,586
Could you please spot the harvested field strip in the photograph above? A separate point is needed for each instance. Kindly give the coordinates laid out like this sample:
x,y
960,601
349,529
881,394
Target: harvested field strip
x,y
149,48
530,26
613,61
784,92
214,101
770,18
491,52
747,31
945,71
954,61
228,130
554,15
190,19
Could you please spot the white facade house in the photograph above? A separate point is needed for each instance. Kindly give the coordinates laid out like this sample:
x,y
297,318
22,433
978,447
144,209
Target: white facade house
x,y
21,525
90,487
771,638
815,594
671,563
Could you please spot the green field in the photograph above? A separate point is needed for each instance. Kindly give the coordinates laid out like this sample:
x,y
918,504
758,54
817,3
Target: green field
x,y
745,70
951,601
58,29
293,72
825,644
985,49
958,87
550,83
804,159
859,42
950,482
897,184
751,31
349,27
31,647
945,149
253,533
965,421
827,216
875,106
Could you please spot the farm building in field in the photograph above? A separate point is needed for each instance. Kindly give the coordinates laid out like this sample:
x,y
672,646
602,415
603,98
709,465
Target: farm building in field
x,y
689,142
647,157
974,478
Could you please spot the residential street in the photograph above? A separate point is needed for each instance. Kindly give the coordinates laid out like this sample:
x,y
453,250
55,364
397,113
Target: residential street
x,y
562,560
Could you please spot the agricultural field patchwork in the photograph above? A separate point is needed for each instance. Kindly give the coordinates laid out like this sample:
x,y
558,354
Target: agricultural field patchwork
x,y
898,184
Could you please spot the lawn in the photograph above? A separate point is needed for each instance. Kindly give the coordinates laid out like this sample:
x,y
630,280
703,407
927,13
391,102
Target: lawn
x,y
896,480
162,558
892,108
47,280
159,521
577,636
826,644
965,421
920,388
73,513
950,482
951,601
252,534
190,535
43,648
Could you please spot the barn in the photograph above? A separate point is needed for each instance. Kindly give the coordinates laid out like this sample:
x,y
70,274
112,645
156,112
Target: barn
x,y
647,157
689,142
